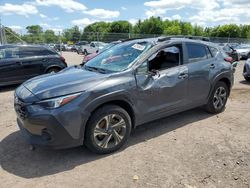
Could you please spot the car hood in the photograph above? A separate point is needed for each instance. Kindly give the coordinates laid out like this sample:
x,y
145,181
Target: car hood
x,y
243,50
70,80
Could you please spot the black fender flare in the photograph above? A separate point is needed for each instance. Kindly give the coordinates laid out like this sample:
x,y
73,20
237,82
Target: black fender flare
x,y
223,75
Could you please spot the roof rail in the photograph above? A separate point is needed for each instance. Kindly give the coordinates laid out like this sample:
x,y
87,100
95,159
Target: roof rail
x,y
163,38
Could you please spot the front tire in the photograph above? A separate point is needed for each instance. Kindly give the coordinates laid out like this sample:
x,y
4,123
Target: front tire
x,y
218,99
108,129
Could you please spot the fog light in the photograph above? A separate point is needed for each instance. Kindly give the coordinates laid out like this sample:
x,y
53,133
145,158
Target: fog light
x,y
46,135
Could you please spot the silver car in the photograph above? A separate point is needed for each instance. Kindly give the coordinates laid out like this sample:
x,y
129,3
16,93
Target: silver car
x,y
246,70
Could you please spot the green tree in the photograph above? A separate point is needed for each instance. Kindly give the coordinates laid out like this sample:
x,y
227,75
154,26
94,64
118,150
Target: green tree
x,y
172,27
152,25
76,34
50,37
34,34
186,28
229,30
198,30
120,27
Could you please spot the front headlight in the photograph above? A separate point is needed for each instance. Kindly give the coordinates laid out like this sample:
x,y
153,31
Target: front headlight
x,y
59,101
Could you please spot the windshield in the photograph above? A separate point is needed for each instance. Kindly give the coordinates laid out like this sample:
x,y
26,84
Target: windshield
x,y
119,57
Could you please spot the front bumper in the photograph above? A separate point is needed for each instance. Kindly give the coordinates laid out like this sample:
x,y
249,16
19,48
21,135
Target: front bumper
x,y
58,128
246,72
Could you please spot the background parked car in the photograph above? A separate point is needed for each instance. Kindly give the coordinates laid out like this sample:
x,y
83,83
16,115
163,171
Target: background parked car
x,y
246,70
86,58
229,50
59,47
19,63
243,50
93,47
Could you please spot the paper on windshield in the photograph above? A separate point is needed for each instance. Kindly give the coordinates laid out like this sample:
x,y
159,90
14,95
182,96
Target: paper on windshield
x,y
138,47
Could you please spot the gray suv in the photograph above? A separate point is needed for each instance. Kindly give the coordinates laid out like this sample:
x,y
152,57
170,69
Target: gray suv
x,y
134,82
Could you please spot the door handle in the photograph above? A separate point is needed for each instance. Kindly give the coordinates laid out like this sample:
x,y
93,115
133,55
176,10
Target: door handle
x,y
212,66
183,75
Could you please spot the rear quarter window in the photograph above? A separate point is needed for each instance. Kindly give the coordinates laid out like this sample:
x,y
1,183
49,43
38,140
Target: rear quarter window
x,y
214,51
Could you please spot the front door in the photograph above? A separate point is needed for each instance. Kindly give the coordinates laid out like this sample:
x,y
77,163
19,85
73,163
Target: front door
x,y
162,84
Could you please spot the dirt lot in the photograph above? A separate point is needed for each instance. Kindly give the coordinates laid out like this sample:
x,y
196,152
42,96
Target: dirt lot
x,y
191,149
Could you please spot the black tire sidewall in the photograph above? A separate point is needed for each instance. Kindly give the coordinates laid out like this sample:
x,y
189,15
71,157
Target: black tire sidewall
x,y
210,106
100,113
53,69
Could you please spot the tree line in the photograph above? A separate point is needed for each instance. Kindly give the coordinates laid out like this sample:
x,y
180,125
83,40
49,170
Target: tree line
x,y
109,31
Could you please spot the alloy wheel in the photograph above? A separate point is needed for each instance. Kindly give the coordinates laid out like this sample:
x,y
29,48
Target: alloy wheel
x,y
220,97
109,131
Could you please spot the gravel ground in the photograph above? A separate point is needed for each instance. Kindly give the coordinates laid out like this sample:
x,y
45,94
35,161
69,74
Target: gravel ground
x,y
190,149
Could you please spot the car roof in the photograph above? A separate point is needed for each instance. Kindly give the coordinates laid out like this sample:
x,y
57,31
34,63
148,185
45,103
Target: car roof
x,y
162,40
22,45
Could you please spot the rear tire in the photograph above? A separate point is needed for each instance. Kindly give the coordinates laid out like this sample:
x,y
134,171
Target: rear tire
x,y
218,98
53,70
108,129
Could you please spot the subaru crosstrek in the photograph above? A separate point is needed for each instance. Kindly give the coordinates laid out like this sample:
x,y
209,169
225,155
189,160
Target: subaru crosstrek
x,y
134,82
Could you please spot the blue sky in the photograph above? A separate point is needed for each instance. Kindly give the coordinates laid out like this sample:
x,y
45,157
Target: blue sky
x,y
60,14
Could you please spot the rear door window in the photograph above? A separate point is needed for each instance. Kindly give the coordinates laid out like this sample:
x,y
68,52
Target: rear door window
x,y
9,53
196,52
34,51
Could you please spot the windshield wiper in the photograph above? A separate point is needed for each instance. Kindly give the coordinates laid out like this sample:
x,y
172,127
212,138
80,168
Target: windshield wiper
x,y
96,69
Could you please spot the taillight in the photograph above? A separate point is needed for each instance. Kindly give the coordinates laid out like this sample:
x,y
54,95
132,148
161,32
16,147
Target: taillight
x,y
229,59
63,59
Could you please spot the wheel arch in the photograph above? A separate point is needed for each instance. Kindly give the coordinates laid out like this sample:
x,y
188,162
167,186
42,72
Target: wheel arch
x,y
119,102
224,77
52,66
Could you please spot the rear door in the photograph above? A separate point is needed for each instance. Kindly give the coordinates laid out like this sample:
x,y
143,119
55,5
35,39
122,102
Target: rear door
x,y
10,65
33,60
199,63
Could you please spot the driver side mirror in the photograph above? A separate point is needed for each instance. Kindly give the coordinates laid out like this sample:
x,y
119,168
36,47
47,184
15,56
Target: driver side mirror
x,y
144,69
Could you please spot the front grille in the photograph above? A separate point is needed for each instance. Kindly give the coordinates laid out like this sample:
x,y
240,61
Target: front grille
x,y
20,108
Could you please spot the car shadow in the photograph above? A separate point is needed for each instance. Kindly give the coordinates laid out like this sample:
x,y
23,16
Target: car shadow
x,y
8,88
17,159
245,82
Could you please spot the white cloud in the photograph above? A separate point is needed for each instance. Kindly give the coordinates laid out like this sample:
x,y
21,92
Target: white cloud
x,y
67,5
156,12
177,4
133,21
102,13
55,18
42,16
163,4
123,8
221,16
176,17
23,9
44,25
83,22
160,7
16,28
57,31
